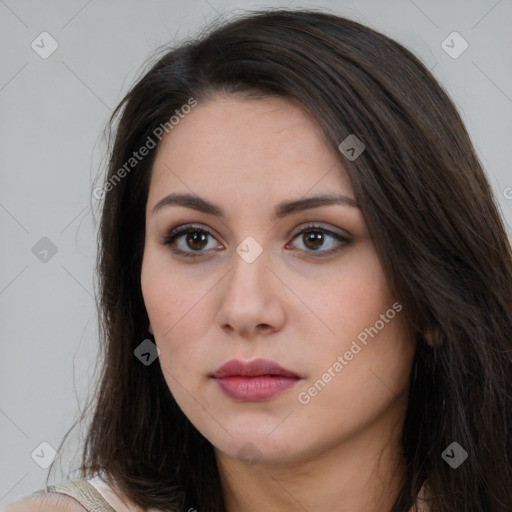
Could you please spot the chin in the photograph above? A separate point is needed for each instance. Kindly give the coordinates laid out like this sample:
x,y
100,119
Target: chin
x,y
254,446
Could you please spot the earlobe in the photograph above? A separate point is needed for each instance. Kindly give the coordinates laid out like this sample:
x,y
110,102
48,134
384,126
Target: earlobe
x,y
433,338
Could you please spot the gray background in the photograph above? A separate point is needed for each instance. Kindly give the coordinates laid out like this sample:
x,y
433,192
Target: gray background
x,y
53,112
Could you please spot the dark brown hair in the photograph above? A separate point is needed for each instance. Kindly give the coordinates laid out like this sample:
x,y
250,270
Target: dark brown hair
x,y
435,226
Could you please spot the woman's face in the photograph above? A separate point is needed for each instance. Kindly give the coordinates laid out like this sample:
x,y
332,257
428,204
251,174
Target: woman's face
x,y
251,284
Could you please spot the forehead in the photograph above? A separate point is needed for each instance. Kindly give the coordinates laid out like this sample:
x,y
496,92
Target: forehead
x,y
229,145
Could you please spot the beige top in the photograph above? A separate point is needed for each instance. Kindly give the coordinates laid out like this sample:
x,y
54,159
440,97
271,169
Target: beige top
x,y
112,498
97,496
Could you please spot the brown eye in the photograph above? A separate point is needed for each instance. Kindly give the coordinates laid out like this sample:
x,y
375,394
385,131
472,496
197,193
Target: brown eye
x,y
190,241
321,241
196,240
313,240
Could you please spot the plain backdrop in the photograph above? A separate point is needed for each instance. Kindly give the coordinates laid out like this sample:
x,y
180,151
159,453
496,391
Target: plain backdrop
x,y
52,114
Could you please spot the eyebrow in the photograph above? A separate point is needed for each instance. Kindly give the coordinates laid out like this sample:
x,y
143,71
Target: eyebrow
x,y
281,210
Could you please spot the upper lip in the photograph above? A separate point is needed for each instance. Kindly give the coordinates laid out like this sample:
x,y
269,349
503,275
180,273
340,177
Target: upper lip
x,y
254,368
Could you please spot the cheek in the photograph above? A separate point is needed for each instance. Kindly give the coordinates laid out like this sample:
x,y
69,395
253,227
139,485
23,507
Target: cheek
x,y
357,308
376,375
354,295
177,314
168,296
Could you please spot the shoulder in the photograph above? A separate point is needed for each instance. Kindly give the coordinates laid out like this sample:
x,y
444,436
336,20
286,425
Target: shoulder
x,y
45,502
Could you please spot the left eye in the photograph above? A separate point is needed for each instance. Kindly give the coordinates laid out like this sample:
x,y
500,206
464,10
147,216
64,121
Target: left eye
x,y
196,239
314,237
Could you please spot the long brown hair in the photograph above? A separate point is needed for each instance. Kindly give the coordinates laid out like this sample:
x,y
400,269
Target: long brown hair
x,y
435,226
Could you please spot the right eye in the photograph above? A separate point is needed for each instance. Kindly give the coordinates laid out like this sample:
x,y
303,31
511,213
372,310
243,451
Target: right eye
x,y
188,240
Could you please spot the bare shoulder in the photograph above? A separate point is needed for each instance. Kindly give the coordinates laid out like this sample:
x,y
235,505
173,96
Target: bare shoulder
x,y
45,502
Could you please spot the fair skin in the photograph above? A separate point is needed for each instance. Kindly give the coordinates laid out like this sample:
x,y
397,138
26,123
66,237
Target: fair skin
x,y
339,450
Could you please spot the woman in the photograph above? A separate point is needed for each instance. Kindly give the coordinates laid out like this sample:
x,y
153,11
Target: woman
x,y
305,285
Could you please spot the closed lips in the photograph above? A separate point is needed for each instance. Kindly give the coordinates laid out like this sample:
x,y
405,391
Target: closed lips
x,y
254,368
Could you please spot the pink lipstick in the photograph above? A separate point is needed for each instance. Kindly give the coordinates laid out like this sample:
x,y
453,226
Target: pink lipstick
x,y
254,381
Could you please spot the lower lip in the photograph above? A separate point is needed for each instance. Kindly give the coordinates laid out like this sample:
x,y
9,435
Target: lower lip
x,y
255,389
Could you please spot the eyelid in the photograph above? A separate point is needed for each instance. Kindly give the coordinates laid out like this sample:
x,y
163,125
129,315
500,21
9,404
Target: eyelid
x,y
174,233
170,237
342,239
318,225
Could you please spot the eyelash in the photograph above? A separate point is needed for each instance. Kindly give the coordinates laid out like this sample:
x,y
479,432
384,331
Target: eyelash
x,y
173,235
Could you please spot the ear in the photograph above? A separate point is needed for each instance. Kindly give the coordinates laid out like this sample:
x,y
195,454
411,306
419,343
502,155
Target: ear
x,y
434,337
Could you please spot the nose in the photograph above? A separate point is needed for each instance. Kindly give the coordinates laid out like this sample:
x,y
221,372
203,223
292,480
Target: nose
x,y
252,299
